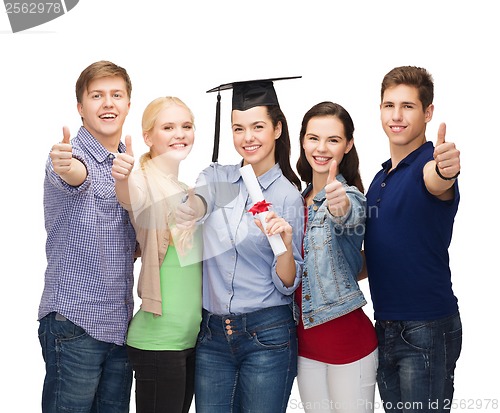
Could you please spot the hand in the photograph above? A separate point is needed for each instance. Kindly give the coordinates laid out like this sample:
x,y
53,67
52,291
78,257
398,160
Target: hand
x,y
277,225
336,196
185,214
446,155
123,162
62,154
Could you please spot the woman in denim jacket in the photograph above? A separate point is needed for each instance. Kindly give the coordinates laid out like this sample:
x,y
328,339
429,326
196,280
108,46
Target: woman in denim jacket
x,y
337,342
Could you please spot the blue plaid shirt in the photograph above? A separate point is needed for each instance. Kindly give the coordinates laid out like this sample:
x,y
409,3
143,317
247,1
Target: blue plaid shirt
x,y
90,247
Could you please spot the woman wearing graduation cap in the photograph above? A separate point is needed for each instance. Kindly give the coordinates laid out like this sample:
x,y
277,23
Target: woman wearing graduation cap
x,y
246,357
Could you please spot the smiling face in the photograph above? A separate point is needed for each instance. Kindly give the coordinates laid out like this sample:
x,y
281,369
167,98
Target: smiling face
x,y
324,141
254,137
172,135
103,109
403,118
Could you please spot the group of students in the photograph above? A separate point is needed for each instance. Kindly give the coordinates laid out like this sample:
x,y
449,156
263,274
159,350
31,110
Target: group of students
x,y
223,317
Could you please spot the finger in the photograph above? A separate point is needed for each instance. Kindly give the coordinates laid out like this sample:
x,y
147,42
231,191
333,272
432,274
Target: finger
x,y
332,173
66,134
441,134
128,144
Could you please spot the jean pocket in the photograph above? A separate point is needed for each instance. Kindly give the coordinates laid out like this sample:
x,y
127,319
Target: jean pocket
x,y
273,338
417,335
66,330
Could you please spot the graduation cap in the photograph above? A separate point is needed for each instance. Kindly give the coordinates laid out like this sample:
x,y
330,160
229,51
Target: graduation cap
x,y
246,95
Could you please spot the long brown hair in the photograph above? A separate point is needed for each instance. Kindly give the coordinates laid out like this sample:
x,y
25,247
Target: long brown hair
x,y
282,149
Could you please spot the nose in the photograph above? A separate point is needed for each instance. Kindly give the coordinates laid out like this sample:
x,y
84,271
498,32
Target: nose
x,y
180,133
108,101
321,146
248,135
397,113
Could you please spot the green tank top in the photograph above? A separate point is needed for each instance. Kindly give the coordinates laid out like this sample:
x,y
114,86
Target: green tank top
x,y
178,326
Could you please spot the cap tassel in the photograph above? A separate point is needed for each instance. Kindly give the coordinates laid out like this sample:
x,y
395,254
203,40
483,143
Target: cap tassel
x,y
215,153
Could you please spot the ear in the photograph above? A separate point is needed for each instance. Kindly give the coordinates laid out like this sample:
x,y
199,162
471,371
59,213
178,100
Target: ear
x,y
79,108
147,139
277,131
428,113
349,146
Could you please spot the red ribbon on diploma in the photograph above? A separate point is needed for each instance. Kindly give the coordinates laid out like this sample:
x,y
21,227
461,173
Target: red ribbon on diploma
x,y
259,207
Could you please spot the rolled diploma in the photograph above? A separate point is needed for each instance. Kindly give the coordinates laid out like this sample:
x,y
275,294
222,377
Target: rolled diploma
x,y
256,195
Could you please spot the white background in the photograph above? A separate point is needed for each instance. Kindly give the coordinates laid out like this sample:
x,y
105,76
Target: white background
x,y
342,49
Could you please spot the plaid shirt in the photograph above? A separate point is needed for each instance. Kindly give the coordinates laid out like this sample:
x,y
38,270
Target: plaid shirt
x,y
90,247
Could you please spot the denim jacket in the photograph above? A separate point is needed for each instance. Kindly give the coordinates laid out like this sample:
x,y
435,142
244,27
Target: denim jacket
x,y
332,258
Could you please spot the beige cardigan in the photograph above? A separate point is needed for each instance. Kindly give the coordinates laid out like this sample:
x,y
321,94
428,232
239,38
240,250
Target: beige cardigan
x,y
152,215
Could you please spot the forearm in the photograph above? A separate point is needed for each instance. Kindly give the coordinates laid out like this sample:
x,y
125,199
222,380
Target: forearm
x,y
286,268
76,175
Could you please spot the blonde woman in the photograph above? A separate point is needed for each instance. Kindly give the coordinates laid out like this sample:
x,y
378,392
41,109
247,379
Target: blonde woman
x,y
162,334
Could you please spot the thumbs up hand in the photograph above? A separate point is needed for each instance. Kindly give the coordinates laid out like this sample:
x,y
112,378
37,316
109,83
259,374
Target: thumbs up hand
x,y
336,197
446,155
123,162
61,154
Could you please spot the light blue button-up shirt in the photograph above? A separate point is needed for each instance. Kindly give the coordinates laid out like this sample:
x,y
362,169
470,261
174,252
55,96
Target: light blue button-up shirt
x,y
239,267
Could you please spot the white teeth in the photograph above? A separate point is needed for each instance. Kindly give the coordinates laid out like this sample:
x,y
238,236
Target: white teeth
x,y
321,159
251,148
178,145
108,116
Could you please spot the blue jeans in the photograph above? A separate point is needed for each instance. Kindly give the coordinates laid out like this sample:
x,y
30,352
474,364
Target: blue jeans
x,y
82,374
246,363
417,361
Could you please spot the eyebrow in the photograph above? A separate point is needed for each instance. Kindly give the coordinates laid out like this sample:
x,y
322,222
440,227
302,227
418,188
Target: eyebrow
x,y
102,91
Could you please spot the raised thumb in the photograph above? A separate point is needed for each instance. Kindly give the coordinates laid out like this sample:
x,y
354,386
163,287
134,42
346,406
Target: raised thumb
x,y
66,135
332,173
128,145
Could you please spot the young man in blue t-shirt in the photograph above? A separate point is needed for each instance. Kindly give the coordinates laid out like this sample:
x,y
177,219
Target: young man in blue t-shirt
x,y
412,204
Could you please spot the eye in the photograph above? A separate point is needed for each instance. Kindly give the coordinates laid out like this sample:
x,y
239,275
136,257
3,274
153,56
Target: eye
x,y
117,95
96,96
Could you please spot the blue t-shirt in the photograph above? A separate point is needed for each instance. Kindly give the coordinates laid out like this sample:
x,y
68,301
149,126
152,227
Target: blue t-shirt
x,y
408,232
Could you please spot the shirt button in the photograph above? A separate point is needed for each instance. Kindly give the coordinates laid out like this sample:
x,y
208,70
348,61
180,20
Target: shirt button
x,y
305,274
315,208
307,297
311,319
382,184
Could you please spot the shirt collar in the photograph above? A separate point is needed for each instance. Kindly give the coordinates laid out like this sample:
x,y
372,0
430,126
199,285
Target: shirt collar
x,y
387,165
99,152
265,180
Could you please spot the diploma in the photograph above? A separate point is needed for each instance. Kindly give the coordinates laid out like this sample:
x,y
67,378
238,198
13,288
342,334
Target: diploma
x,y
260,207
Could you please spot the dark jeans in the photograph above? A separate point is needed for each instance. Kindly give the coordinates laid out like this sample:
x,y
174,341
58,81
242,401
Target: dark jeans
x,y
164,380
417,361
82,374
246,362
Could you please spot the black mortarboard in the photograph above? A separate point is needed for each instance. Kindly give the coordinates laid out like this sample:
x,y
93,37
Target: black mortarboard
x,y
246,95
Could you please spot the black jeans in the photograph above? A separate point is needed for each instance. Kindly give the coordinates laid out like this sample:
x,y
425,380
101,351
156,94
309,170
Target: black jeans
x,y
164,380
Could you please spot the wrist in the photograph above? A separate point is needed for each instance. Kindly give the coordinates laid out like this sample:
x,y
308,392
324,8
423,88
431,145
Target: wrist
x,y
444,177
